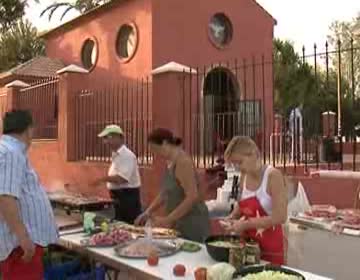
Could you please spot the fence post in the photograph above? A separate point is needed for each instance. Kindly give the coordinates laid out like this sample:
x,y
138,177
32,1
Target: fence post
x,y
72,79
13,90
170,108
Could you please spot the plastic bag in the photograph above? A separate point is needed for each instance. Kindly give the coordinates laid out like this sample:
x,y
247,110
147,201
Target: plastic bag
x,y
300,203
89,223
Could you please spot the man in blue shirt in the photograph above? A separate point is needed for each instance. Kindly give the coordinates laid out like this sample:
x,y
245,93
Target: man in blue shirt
x,y
27,223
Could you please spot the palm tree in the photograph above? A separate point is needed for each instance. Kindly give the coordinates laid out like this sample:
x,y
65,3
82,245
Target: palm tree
x,y
81,6
19,44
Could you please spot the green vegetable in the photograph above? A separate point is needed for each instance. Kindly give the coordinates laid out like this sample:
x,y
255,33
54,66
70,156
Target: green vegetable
x,y
190,247
221,271
271,275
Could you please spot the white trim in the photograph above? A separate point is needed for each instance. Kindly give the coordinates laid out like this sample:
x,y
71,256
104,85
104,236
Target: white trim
x,y
329,113
173,67
17,83
72,68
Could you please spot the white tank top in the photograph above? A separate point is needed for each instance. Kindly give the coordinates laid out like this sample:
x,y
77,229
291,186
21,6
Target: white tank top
x,y
261,193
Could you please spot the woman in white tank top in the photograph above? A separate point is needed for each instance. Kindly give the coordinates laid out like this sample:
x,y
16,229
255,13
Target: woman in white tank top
x,y
262,206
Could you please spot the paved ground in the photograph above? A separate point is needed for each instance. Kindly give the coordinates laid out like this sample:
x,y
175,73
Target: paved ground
x,y
324,253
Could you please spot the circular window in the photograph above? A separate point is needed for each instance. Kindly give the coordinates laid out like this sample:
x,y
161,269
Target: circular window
x,y
220,30
126,41
89,54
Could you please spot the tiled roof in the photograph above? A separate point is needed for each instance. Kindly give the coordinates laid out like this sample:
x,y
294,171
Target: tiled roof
x,y
40,66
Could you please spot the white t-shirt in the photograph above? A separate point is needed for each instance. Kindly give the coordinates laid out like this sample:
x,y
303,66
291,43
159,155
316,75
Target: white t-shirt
x,y
124,164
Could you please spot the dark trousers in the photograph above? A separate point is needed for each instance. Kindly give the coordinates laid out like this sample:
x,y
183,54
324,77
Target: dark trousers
x,y
127,204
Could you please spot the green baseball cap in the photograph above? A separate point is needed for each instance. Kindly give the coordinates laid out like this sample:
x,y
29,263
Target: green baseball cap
x,y
111,129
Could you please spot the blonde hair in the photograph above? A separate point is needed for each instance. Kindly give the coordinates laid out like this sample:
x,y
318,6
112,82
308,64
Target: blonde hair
x,y
241,144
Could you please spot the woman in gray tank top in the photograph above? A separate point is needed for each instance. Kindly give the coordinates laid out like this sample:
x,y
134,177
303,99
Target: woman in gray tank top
x,y
185,210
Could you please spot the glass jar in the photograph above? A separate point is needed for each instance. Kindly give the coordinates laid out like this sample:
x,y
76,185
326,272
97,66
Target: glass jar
x,y
237,256
253,253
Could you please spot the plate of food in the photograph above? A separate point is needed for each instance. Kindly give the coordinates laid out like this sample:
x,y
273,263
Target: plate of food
x,y
142,248
321,213
268,272
157,233
107,239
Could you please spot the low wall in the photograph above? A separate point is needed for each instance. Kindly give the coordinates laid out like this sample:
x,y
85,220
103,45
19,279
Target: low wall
x,y
54,173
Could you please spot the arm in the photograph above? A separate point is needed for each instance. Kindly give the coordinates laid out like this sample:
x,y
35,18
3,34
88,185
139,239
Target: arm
x,y
12,167
122,167
278,193
115,179
185,174
155,204
235,214
10,214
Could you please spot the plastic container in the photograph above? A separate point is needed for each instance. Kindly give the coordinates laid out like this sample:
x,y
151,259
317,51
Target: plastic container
x,y
72,271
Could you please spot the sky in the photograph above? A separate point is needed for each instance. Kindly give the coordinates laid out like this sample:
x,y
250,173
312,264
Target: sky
x,y
304,22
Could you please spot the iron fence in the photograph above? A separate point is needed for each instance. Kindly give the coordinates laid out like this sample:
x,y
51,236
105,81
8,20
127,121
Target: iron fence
x,y
128,105
315,101
41,98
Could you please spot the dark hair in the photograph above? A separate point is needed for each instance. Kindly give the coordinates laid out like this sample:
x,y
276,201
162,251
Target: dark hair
x,y
17,121
160,135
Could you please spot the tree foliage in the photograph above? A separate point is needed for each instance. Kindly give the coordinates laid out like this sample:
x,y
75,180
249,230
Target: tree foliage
x,y
81,6
19,44
10,12
298,84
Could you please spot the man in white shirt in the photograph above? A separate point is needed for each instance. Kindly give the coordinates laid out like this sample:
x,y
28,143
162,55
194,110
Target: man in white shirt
x,y
123,180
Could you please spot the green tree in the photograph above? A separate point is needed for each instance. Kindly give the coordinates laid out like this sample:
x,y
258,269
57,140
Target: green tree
x,y
81,6
19,44
297,84
10,12
345,38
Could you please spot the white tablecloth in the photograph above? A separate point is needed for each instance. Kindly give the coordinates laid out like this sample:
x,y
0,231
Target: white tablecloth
x,y
164,270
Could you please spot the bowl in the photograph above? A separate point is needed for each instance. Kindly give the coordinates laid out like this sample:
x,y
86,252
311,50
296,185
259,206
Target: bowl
x,y
260,268
221,253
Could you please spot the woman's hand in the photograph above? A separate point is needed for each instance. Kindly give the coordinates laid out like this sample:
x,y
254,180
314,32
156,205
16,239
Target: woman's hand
x,y
236,226
142,219
162,222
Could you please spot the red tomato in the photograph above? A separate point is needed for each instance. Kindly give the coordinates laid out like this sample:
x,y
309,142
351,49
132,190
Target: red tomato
x,y
153,259
200,273
179,270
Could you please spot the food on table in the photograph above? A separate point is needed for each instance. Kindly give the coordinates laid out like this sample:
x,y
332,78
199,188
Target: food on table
x,y
156,232
200,273
224,244
271,275
104,227
142,248
253,253
179,270
344,213
322,211
221,271
139,249
114,237
237,257
190,247
75,198
153,259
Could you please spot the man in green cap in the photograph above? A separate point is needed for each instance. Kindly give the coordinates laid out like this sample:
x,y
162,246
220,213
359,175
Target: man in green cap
x,y
123,179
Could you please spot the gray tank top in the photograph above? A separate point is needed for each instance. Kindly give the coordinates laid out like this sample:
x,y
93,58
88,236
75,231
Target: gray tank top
x,y
194,225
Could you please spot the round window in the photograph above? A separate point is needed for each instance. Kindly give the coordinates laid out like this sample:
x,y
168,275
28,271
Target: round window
x,y
89,54
126,41
220,30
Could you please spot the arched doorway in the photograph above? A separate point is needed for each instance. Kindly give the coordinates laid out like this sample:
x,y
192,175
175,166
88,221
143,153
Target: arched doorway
x,y
221,102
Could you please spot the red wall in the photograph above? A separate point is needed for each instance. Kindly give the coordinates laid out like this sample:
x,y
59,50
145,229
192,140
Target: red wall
x,y
54,173
66,43
183,37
